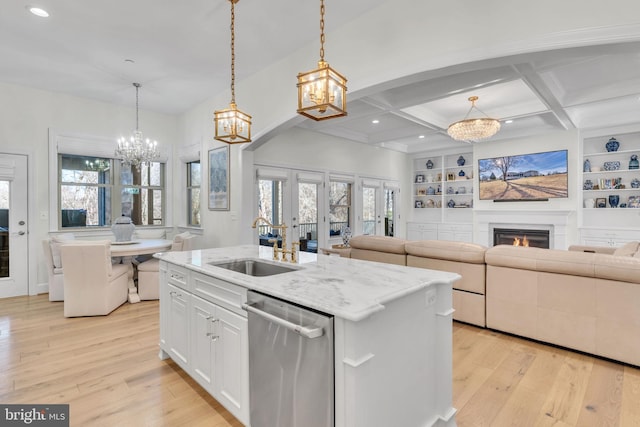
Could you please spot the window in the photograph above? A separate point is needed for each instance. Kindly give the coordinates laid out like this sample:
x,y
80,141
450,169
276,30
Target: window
x,y
142,193
194,179
85,191
339,207
90,196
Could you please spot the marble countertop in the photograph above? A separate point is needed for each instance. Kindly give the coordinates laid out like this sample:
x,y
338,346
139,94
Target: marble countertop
x,y
347,288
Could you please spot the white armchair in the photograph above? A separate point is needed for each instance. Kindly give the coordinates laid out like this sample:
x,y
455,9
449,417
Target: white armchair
x,y
148,271
56,283
92,285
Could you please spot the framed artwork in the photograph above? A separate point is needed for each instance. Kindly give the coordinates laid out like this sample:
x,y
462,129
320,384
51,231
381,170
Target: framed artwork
x,y
601,202
219,178
419,178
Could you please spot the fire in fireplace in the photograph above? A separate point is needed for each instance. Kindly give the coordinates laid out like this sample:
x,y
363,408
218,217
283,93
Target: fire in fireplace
x,y
521,237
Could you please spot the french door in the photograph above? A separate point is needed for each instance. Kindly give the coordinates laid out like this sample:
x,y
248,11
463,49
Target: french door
x,y
14,259
294,198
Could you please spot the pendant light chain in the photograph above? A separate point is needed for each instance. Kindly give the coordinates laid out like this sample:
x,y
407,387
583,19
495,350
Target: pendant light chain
x,y
233,53
137,85
322,30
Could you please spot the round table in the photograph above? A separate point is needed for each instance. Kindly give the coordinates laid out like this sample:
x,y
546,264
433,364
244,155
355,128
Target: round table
x,y
128,250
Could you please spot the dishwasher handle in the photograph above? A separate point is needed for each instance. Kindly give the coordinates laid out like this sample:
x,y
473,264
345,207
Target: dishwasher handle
x,y
299,329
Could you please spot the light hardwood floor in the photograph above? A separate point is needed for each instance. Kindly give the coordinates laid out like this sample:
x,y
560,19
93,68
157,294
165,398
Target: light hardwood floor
x,y
107,369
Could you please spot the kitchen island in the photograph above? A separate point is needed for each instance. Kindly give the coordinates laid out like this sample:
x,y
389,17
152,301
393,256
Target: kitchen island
x,y
392,330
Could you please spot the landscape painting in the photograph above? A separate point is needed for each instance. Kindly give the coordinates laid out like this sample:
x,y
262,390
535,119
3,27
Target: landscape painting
x,y
537,176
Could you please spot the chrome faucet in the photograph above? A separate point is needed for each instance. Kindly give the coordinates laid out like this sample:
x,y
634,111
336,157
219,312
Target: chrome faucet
x,y
283,250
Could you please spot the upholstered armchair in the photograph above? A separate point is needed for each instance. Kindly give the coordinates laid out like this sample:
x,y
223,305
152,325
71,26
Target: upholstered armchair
x,y
56,283
92,285
148,271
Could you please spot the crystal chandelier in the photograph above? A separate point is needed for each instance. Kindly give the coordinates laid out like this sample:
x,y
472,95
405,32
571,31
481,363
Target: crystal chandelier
x,y
473,129
322,93
232,125
136,150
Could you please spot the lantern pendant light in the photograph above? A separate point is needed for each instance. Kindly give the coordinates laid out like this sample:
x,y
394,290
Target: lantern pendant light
x,y
322,93
232,125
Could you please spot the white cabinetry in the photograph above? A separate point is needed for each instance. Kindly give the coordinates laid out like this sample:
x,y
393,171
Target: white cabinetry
x,y
204,330
442,197
610,178
174,323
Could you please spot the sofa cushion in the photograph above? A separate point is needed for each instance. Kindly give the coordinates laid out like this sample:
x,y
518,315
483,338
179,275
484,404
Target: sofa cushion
x,y
387,244
629,249
452,251
56,241
178,240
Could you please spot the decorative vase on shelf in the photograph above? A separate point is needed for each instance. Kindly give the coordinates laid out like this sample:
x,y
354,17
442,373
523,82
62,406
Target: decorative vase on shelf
x,y
635,183
429,164
451,203
588,185
614,199
461,173
587,166
346,235
612,144
589,203
461,161
633,163
431,191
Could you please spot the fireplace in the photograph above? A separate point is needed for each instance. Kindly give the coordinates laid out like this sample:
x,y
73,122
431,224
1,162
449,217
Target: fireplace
x,y
521,237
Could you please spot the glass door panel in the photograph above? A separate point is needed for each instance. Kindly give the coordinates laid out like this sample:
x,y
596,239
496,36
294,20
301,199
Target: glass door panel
x,y
389,211
368,210
4,228
14,231
307,217
271,208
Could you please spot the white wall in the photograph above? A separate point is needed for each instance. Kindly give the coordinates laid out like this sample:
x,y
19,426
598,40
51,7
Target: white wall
x,y
303,149
26,115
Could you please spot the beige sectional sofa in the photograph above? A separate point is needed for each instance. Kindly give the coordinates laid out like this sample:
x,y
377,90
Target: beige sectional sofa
x,y
466,259
586,298
582,299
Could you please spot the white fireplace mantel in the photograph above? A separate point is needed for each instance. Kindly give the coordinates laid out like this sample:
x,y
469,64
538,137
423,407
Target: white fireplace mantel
x,y
555,221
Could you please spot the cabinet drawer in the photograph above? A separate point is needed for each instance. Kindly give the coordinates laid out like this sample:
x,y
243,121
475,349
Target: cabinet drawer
x,y
178,276
220,292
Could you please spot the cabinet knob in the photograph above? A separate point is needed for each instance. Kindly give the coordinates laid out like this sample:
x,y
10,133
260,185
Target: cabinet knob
x,y
212,336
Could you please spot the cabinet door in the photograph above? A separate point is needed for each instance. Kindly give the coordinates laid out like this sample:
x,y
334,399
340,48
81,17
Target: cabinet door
x,y
179,325
164,308
232,364
203,330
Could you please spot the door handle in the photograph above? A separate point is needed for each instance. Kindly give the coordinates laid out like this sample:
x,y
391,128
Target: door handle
x,y
299,329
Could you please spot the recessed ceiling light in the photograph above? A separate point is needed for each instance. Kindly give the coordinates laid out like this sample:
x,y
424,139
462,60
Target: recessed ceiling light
x,y
375,122
508,121
38,11
421,136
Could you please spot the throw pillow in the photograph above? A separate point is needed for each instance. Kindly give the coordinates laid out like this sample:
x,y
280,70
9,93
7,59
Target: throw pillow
x,y
629,249
178,239
55,243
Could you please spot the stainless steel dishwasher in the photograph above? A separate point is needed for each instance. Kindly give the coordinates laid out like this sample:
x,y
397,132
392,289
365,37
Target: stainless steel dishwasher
x,y
291,371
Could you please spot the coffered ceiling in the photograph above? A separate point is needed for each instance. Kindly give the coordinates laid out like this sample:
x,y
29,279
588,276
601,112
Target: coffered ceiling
x,y
585,88
179,52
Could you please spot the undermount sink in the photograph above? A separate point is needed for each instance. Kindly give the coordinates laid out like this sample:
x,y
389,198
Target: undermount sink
x,y
253,267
